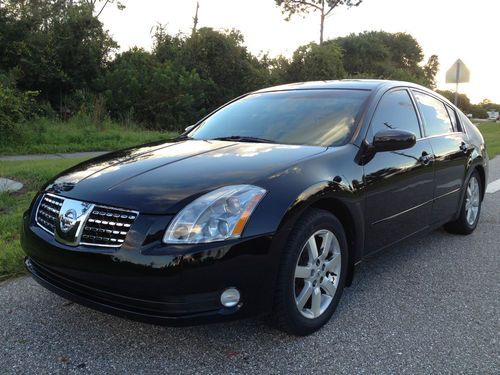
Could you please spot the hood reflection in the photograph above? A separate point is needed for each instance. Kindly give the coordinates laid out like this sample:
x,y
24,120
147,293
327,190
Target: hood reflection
x,y
154,179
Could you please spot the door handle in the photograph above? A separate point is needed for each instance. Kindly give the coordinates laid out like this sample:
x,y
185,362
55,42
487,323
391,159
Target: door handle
x,y
463,147
426,158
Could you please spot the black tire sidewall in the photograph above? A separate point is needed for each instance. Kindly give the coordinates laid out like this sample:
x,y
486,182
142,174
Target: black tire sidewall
x,y
316,221
463,214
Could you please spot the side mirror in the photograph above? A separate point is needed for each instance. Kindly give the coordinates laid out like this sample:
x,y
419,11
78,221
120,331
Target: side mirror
x,y
189,128
393,140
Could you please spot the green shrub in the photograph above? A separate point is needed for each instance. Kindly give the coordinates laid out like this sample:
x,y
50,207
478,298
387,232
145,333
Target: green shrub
x,y
160,95
477,111
314,62
15,107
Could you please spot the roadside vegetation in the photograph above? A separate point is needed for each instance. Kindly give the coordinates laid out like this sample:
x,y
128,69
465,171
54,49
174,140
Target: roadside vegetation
x,y
59,64
45,136
491,134
65,86
478,111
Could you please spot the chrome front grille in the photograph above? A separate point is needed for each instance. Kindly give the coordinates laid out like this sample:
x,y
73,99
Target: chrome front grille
x,y
107,226
103,227
48,212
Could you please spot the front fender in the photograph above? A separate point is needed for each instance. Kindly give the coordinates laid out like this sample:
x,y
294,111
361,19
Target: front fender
x,y
331,181
337,197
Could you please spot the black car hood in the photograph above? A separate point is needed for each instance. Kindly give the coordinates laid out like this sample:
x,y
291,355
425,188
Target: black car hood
x,y
156,179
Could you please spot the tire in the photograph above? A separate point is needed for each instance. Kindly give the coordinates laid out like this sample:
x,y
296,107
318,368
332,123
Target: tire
x,y
294,311
464,224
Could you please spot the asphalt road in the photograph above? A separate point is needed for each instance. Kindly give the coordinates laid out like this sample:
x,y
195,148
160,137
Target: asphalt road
x,y
431,305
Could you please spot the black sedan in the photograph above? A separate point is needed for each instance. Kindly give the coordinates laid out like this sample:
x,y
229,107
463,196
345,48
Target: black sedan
x,y
264,207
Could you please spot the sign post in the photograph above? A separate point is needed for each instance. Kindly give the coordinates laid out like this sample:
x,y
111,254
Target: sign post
x,y
458,73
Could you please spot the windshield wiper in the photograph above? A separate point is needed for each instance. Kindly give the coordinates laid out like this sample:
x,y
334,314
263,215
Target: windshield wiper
x,y
241,138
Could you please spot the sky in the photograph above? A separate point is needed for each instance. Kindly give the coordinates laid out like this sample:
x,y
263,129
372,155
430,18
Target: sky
x,y
452,29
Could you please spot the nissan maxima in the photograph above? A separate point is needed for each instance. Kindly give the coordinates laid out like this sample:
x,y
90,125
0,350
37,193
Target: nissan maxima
x,y
263,207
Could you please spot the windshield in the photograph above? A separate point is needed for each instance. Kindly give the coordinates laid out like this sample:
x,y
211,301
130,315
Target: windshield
x,y
300,117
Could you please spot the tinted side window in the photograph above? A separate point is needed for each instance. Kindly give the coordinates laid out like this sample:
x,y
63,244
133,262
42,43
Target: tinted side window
x,y
395,111
437,120
453,117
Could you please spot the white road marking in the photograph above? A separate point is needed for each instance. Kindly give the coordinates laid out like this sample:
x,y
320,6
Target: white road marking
x,y
493,186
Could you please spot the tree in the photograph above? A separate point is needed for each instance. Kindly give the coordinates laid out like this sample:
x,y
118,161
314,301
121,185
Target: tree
x,y
195,18
277,69
488,105
52,48
167,47
304,7
314,62
97,6
383,55
365,53
15,107
485,102
162,95
221,59
431,69
463,100
380,52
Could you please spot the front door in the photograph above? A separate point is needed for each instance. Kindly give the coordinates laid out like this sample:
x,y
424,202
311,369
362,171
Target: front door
x,y
399,184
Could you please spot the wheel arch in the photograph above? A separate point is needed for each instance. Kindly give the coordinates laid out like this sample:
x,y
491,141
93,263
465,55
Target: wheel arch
x,y
342,212
335,199
482,175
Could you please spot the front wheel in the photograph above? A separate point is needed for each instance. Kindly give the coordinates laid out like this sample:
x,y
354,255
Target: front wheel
x,y
312,273
470,209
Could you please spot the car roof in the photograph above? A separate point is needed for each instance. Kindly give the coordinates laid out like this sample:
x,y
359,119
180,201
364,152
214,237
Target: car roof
x,y
353,84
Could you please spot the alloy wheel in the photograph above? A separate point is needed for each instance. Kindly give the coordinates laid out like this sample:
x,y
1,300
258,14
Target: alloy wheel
x,y
472,201
317,274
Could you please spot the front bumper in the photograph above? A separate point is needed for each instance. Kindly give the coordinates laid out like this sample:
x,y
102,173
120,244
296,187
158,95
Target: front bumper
x,y
149,281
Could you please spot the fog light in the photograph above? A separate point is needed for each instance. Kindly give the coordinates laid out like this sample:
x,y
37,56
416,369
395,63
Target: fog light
x,y
230,297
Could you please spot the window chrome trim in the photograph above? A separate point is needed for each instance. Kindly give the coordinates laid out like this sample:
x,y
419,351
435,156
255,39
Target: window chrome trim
x,y
442,135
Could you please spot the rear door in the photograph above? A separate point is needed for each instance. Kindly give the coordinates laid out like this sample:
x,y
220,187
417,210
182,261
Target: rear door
x,y
451,150
399,184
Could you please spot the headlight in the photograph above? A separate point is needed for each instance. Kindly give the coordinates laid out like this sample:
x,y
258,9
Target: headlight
x,y
215,216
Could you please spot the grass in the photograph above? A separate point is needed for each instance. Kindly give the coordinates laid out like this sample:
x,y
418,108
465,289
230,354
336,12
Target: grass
x,y
491,134
33,174
45,136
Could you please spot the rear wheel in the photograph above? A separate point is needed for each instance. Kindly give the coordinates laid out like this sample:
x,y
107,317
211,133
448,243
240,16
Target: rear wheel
x,y
312,273
470,209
